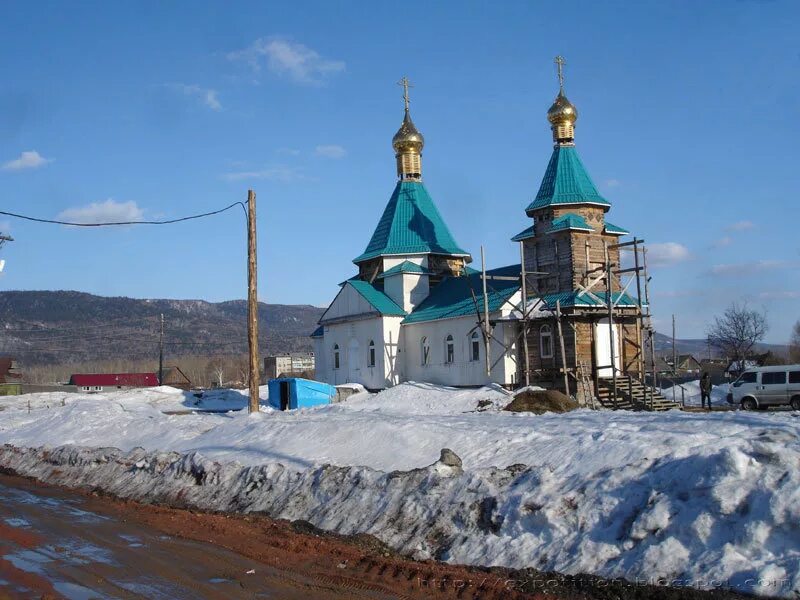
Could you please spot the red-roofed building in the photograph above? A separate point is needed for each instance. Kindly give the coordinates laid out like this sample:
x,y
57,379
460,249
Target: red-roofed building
x,y
97,382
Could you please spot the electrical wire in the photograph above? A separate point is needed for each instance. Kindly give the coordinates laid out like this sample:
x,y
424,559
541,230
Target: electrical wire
x,y
116,223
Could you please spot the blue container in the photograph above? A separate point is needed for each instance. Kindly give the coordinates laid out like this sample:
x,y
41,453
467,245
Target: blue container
x,y
289,393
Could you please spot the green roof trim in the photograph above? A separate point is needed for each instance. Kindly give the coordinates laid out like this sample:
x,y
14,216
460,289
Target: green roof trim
x,y
566,181
377,299
404,267
523,235
614,230
411,224
569,221
453,296
582,299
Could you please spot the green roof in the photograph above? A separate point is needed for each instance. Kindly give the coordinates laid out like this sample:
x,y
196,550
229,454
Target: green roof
x,y
453,296
377,299
404,267
566,182
562,223
578,298
411,225
524,234
614,230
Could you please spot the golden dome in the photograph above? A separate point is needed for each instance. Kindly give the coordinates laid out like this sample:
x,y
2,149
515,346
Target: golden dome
x,y
407,138
562,110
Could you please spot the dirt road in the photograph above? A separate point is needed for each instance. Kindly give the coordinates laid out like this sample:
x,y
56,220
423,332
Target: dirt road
x,y
56,543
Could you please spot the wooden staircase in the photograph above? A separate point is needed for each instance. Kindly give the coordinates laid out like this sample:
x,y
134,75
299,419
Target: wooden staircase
x,y
632,394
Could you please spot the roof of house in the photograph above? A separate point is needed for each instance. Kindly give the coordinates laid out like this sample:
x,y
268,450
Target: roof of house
x,y
377,299
114,379
411,224
404,267
318,332
453,296
566,181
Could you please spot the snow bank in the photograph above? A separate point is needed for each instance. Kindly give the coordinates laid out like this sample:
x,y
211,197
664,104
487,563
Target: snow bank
x,y
640,495
692,395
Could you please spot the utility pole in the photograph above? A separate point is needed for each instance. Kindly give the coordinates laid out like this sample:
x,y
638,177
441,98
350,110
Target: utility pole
x,y
486,331
161,353
674,350
252,301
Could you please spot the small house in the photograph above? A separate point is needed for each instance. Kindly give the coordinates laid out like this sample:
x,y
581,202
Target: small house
x,y
293,392
99,382
10,379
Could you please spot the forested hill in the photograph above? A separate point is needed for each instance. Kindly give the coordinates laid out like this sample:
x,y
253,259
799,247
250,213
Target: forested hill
x,y
49,327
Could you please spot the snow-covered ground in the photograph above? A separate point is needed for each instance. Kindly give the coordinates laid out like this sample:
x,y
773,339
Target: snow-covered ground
x,y
692,496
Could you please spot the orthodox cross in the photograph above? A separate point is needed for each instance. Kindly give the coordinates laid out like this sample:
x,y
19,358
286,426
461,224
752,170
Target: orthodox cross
x,y
405,83
560,62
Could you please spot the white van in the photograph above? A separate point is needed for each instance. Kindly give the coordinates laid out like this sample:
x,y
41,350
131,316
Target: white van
x,y
761,387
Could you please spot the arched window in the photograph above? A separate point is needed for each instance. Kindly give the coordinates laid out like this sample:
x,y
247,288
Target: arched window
x,y
449,350
336,356
546,341
371,354
475,346
425,351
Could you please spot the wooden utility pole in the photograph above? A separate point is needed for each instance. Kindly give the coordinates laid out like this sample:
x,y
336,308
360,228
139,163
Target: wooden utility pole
x,y
161,353
252,301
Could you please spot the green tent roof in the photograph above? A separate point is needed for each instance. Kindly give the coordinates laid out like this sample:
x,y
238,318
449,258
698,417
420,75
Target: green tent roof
x,y
566,182
411,225
562,223
453,296
404,267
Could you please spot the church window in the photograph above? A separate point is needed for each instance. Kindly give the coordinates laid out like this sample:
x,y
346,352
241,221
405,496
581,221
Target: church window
x,y
371,356
336,356
546,341
426,351
449,349
475,347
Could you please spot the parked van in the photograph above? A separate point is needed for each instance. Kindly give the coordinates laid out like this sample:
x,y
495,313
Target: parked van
x,y
761,387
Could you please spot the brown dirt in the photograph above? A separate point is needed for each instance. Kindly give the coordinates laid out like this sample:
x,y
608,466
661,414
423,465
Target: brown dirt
x,y
542,401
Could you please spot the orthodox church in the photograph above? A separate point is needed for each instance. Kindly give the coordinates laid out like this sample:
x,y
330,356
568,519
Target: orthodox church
x,y
417,311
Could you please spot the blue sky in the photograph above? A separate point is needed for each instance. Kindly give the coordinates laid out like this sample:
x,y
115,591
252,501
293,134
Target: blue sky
x,y
688,125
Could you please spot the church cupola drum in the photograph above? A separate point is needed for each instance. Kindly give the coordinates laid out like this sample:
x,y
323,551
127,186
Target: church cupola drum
x,y
408,143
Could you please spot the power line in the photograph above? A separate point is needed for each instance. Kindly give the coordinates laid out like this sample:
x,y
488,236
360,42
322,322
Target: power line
x,y
110,224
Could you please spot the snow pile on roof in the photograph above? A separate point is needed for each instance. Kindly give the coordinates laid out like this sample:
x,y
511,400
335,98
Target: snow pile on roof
x,y
693,496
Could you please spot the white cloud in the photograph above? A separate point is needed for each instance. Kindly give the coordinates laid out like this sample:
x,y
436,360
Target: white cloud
x,y
286,58
740,226
666,254
783,295
207,96
109,211
29,159
750,268
722,242
279,173
612,183
330,151
288,151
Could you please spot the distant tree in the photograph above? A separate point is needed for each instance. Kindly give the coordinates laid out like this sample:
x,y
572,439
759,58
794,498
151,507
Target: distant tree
x,y
794,344
769,359
737,331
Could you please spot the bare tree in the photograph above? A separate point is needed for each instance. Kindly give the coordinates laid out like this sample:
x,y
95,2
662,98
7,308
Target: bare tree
x,y
737,331
794,344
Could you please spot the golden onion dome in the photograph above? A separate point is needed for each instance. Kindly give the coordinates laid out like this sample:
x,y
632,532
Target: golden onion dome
x,y
562,110
407,138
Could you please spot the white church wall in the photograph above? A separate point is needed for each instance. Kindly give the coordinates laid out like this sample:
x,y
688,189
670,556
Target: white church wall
x,y
462,371
407,289
352,339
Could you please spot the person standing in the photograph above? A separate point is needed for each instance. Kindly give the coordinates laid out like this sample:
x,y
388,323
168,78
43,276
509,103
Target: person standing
x,y
705,391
